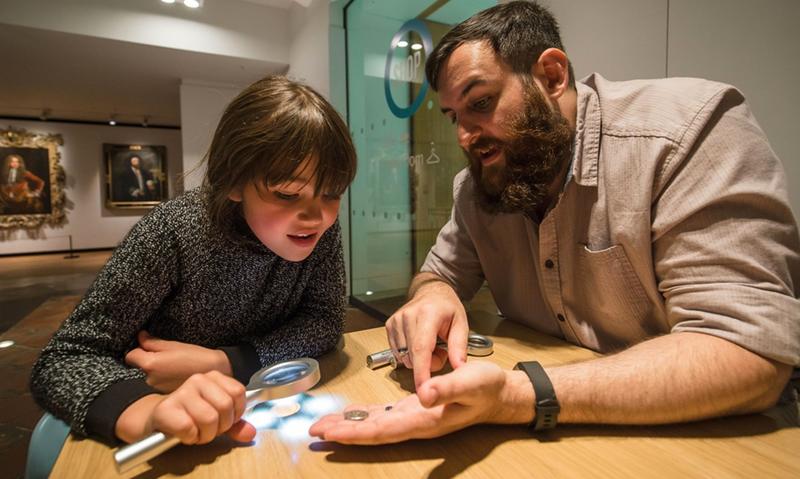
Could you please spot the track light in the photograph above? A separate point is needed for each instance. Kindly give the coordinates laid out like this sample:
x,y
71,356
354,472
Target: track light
x,y
187,3
112,120
45,114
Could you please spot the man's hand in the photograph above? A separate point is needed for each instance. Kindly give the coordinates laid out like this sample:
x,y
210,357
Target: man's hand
x,y
433,312
203,407
476,393
169,364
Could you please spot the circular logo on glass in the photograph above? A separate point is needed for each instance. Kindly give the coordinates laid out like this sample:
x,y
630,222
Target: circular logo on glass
x,y
409,67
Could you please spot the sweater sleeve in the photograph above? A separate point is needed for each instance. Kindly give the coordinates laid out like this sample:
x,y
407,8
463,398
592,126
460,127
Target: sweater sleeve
x,y
80,376
315,326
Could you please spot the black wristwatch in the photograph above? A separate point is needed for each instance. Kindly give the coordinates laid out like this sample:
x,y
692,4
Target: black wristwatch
x,y
545,407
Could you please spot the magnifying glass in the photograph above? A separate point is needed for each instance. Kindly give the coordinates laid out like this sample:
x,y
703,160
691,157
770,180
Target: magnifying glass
x,y
477,345
280,380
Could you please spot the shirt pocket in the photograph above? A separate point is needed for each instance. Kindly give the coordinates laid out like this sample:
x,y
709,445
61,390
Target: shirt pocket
x,y
610,299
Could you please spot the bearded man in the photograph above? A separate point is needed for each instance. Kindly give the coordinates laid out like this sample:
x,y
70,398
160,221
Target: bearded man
x,y
648,219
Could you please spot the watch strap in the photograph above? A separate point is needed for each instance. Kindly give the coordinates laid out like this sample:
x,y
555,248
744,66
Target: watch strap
x,y
545,406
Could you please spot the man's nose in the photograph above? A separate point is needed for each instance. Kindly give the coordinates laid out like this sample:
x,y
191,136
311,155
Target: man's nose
x,y
467,134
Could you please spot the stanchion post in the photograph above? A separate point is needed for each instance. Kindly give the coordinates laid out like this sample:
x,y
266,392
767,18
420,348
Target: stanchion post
x,y
71,255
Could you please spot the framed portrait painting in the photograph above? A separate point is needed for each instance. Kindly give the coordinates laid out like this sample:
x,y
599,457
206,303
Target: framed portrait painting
x,y
31,179
136,175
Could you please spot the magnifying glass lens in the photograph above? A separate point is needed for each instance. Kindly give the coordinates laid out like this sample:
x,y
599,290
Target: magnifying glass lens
x,y
284,375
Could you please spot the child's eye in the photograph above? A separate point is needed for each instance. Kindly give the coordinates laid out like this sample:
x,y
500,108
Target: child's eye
x,y
331,196
285,196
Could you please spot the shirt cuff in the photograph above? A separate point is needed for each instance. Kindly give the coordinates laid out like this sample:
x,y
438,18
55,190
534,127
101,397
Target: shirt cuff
x,y
101,418
244,361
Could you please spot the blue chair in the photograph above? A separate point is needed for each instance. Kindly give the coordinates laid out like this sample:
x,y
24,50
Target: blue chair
x,y
47,440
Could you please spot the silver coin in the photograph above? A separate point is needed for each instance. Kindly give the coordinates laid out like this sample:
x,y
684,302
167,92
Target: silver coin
x,y
356,415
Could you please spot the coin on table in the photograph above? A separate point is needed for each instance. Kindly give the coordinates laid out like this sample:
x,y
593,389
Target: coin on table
x,y
356,415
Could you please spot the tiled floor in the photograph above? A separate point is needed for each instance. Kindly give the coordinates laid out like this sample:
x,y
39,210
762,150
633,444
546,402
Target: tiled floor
x,y
35,292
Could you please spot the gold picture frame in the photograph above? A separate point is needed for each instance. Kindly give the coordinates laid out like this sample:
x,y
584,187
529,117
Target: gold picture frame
x,y
136,175
31,179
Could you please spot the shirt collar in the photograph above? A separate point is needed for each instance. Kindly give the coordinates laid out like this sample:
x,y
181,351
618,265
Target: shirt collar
x,y
587,136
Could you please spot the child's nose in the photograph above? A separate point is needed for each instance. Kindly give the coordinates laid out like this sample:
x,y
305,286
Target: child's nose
x,y
312,210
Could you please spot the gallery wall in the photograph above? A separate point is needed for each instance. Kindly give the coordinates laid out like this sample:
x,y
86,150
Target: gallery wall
x,y
89,222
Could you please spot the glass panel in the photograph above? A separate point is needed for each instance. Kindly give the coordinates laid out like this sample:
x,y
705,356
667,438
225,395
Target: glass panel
x,y
407,150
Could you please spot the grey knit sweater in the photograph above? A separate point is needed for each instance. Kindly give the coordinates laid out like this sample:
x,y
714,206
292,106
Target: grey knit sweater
x,y
181,279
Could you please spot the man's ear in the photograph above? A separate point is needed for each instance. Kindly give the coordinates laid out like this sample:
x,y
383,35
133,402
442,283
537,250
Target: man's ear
x,y
552,70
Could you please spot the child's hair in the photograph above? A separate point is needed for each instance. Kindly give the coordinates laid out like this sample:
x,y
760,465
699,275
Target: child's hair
x,y
265,133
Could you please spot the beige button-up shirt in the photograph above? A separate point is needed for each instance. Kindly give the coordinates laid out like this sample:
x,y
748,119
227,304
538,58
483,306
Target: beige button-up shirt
x,y
676,218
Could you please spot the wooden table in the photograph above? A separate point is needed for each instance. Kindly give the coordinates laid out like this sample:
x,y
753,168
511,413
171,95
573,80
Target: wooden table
x,y
749,446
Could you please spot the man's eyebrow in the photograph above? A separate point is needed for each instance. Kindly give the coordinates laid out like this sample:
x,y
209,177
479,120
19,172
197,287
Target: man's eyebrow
x,y
472,83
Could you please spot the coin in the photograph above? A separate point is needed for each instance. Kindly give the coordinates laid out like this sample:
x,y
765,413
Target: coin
x,y
356,415
285,410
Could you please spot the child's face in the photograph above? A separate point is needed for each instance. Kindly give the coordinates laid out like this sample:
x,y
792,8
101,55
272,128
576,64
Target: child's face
x,y
288,218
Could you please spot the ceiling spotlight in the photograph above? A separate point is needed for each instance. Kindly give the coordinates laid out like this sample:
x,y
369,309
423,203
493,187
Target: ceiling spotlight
x,y
45,114
168,1
416,46
192,3
402,44
112,120
145,121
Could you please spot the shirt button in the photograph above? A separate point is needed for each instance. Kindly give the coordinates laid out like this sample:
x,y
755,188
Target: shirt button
x,y
561,318
549,264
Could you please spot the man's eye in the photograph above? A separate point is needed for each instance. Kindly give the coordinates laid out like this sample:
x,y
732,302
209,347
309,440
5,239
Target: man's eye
x,y
481,104
285,196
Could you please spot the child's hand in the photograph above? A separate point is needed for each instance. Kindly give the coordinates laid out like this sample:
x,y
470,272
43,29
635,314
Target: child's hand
x,y
203,407
169,364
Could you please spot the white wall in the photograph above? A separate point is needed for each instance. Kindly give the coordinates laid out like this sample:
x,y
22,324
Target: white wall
x,y
222,27
620,39
202,105
309,58
90,223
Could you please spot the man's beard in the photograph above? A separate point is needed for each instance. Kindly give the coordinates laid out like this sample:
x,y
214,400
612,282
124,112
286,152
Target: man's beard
x,y
539,145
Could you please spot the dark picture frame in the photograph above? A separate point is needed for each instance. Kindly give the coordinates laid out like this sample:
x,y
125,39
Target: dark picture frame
x,y
31,179
136,175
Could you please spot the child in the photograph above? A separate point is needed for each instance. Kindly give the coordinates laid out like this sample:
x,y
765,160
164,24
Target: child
x,y
240,273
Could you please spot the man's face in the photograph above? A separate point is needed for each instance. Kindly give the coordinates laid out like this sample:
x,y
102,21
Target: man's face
x,y
515,141
135,161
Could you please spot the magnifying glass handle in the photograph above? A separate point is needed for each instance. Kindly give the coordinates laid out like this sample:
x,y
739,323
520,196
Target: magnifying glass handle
x,y
477,345
130,456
